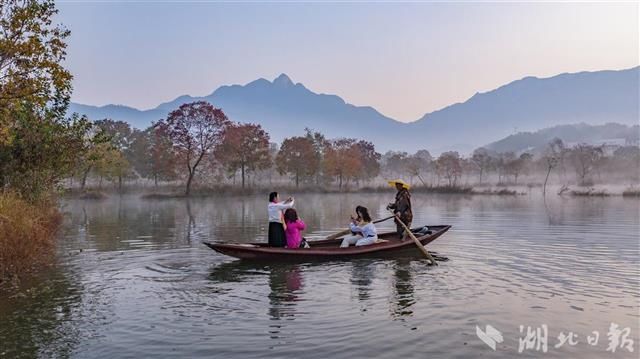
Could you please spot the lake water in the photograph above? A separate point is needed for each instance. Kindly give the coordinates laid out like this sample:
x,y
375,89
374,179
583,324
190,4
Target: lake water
x,y
134,280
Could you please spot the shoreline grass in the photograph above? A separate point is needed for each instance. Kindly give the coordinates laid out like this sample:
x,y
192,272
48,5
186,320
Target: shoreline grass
x,y
27,236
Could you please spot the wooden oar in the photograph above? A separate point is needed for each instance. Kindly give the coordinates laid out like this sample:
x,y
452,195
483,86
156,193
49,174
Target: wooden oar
x,y
417,242
347,231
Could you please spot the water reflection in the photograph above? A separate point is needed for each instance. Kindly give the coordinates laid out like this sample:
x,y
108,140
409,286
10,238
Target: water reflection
x,y
404,293
285,283
136,278
37,320
237,271
121,223
362,272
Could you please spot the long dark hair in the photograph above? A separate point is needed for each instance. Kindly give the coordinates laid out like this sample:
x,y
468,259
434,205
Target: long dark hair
x,y
363,212
273,196
290,215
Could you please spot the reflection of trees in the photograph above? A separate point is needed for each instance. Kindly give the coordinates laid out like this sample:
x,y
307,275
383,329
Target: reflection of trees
x,y
403,289
361,278
37,322
556,217
107,225
192,220
237,219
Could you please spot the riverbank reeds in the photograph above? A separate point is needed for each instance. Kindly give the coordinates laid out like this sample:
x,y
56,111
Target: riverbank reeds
x,y
27,235
631,192
590,192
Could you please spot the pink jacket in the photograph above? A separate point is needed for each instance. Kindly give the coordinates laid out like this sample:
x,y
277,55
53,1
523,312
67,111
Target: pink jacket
x,y
293,233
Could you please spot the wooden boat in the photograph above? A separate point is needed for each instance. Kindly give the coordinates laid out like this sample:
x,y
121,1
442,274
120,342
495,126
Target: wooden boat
x,y
330,249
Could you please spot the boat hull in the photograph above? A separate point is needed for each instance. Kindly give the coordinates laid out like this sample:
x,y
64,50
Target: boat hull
x,y
328,249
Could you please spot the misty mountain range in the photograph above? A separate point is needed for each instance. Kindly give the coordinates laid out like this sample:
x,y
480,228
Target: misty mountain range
x,y
285,109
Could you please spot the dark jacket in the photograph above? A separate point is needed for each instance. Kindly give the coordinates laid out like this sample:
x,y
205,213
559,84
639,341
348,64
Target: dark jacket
x,y
402,206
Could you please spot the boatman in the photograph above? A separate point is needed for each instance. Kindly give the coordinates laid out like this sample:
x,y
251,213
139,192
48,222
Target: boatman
x,y
402,205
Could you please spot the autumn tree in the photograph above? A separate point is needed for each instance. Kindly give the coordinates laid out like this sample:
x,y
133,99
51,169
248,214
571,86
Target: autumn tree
x,y
162,159
96,147
449,165
32,51
151,154
41,153
298,156
342,160
369,160
38,144
245,147
117,158
195,130
112,165
320,142
120,133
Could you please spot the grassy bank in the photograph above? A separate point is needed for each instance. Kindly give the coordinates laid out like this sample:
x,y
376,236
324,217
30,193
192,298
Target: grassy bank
x,y
27,233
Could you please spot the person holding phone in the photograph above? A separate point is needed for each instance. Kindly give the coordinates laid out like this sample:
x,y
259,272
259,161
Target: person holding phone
x,y
277,237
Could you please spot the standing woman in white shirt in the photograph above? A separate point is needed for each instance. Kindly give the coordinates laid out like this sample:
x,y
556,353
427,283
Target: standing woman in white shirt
x,y
277,236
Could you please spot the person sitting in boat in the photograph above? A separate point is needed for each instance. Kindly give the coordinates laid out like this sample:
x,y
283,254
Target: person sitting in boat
x,y
277,237
402,206
294,226
363,230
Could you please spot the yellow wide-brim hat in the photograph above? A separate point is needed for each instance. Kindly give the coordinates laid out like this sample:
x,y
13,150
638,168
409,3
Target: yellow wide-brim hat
x,y
404,184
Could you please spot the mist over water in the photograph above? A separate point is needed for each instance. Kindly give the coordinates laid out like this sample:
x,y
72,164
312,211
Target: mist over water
x,y
134,280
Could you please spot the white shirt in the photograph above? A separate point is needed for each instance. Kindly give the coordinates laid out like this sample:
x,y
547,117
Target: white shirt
x,y
368,230
275,210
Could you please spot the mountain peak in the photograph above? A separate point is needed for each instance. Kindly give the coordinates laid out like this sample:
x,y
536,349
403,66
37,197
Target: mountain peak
x,y
283,80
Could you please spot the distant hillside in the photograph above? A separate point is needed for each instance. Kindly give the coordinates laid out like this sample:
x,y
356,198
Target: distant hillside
x,y
285,109
532,103
612,133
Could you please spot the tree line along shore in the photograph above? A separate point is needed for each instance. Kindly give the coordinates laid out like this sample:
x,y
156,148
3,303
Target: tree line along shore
x,y
197,150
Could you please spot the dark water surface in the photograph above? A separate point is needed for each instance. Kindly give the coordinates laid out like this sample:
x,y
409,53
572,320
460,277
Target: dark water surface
x,y
134,281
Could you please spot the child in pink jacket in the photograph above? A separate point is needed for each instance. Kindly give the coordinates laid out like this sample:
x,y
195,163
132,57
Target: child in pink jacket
x,y
294,226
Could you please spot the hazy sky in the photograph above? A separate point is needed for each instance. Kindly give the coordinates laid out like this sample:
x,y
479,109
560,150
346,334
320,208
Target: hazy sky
x,y
404,59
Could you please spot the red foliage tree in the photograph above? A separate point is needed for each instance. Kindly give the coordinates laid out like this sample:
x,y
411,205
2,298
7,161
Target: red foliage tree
x,y
195,130
298,156
369,158
246,148
342,159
